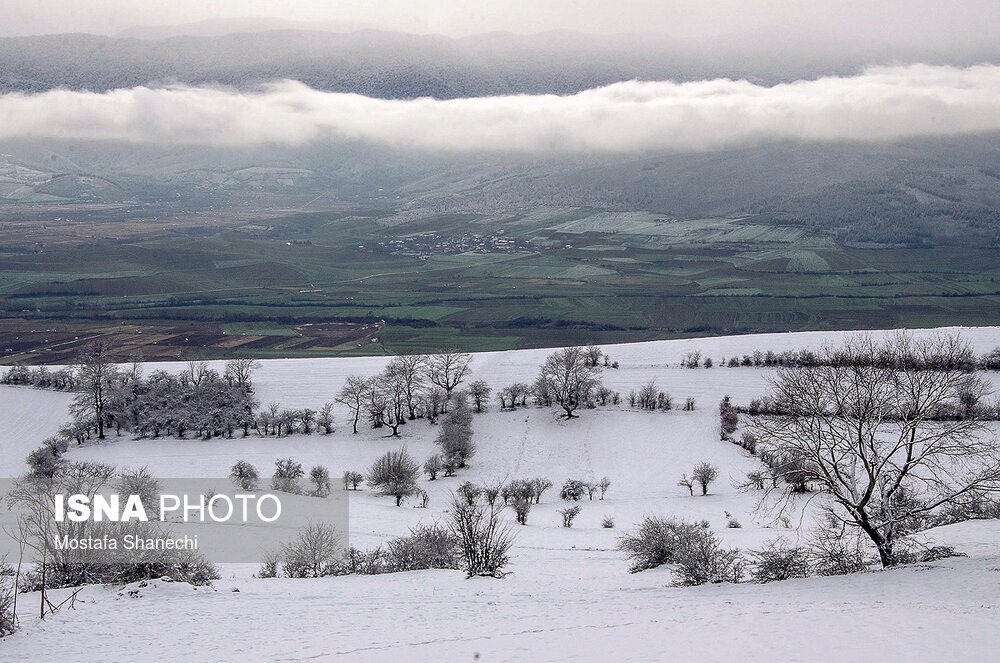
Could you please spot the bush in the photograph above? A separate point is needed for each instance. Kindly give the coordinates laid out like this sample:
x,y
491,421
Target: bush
x,y
244,475
139,481
608,522
270,565
469,491
700,559
692,547
427,547
522,506
655,543
833,552
484,538
313,553
573,490
286,477
569,514
319,477
432,466
7,622
777,561
352,479
732,522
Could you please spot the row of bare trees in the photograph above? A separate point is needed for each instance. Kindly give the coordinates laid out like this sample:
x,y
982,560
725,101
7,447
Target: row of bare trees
x,y
410,387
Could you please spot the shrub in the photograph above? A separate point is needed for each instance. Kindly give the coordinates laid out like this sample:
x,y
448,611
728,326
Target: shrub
x,y
518,489
569,514
427,547
732,522
352,479
704,474
270,565
655,543
700,559
319,477
608,522
47,459
777,561
139,481
432,466
395,474
485,539
491,492
603,485
244,475
7,622
469,491
287,473
455,436
312,553
573,490
833,552
522,506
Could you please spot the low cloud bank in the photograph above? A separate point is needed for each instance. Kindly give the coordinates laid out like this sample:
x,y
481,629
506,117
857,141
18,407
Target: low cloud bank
x,y
883,103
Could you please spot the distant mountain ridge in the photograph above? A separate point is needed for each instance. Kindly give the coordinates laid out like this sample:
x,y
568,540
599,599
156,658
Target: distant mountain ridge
x,y
399,65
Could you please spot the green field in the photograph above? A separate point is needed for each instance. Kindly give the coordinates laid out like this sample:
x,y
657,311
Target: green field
x,y
580,277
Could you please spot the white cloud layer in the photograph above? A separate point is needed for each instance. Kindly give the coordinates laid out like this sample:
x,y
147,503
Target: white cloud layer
x,y
884,103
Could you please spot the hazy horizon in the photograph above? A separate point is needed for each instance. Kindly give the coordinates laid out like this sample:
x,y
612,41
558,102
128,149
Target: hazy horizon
x,y
901,22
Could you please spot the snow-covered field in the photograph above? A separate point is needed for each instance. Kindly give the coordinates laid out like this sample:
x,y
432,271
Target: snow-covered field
x,y
569,595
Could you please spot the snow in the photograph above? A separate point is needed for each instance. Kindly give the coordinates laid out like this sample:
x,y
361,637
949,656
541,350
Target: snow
x,y
569,594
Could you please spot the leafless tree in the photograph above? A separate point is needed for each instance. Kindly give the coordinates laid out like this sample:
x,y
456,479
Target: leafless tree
x,y
447,368
704,474
593,354
95,373
240,370
353,394
570,378
411,371
312,552
392,385
883,431
395,474
480,393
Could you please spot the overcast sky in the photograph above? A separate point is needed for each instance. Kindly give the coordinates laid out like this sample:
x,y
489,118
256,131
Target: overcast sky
x,y
905,21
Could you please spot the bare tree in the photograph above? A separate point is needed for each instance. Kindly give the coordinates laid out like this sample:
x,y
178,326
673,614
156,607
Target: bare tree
x,y
447,368
395,474
239,371
480,393
324,419
570,378
312,552
410,369
593,354
391,385
353,394
95,374
704,474
882,429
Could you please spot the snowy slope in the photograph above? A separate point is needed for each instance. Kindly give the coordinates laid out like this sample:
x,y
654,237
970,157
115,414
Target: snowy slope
x,y
569,594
